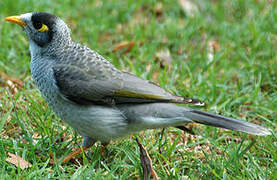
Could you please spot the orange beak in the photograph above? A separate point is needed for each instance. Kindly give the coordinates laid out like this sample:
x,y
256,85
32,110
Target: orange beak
x,y
16,20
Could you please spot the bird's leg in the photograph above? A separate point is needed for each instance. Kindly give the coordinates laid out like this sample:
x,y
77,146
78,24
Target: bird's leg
x,y
87,143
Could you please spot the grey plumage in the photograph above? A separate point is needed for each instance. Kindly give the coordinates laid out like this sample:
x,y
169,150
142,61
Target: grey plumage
x,y
99,101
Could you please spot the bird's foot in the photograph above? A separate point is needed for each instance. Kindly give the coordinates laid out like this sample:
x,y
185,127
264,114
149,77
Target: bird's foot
x,y
73,154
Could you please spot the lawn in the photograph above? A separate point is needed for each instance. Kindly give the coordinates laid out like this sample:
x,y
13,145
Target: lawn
x,y
221,52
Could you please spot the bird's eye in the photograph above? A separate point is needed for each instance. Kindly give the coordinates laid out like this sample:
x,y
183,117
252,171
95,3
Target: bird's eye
x,y
37,24
40,27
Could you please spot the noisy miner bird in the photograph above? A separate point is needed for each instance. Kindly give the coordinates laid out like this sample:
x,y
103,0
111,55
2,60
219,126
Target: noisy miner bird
x,y
99,101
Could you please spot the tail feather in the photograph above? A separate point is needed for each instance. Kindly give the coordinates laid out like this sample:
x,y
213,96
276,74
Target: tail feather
x,y
225,122
159,115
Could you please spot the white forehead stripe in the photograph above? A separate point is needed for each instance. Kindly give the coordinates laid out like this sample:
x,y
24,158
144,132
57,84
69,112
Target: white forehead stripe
x,y
26,17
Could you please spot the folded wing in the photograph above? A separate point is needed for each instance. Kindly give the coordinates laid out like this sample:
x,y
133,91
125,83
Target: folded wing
x,y
83,87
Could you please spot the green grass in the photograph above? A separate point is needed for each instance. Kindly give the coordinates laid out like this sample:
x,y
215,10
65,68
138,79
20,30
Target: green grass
x,y
240,82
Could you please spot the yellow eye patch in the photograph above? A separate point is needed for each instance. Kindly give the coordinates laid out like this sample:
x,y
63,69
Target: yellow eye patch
x,y
43,28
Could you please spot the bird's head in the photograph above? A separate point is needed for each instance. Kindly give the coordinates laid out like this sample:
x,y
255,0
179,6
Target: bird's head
x,y
44,30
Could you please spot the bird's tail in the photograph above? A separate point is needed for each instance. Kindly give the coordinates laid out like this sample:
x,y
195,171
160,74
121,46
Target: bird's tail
x,y
160,115
225,122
